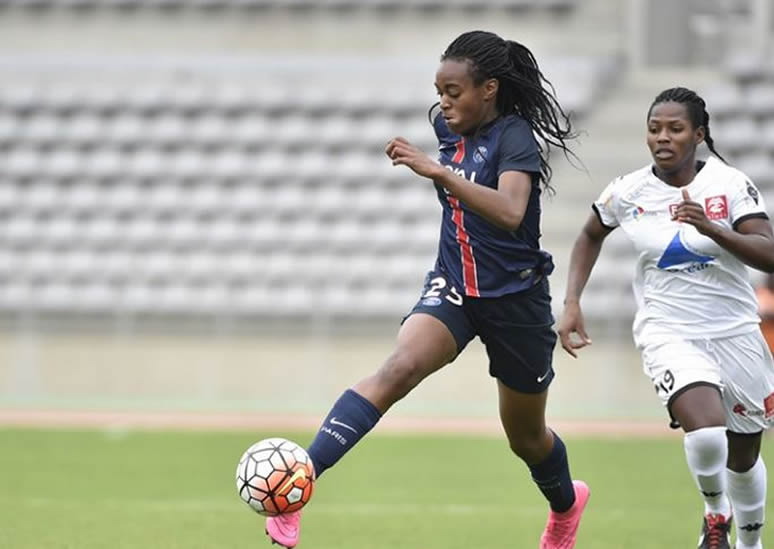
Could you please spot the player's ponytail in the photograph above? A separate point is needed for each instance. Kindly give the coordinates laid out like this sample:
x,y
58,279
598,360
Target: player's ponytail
x,y
523,89
697,112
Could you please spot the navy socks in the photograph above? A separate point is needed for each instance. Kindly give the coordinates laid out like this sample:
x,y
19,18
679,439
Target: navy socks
x,y
552,476
351,417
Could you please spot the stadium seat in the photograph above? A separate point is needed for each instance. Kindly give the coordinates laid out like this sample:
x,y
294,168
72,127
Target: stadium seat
x,y
41,197
745,67
188,188
759,99
737,135
82,198
759,167
724,101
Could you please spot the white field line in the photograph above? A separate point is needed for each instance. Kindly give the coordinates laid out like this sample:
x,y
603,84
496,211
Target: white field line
x,y
219,506
118,420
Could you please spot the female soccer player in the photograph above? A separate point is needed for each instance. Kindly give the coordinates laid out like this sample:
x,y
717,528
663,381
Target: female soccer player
x,y
695,225
490,277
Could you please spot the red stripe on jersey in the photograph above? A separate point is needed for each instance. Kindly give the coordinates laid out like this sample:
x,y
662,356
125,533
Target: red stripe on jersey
x,y
469,274
459,156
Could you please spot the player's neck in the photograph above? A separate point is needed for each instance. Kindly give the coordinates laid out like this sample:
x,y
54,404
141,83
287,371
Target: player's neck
x,y
680,177
486,120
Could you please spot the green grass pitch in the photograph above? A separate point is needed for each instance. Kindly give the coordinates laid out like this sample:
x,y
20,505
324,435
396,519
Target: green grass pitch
x,y
176,490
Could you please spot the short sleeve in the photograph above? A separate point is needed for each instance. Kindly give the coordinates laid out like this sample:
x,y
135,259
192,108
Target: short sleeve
x,y
746,202
442,132
518,149
606,205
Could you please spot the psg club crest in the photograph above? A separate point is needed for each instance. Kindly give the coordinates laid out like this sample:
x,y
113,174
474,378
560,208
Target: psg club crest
x,y
480,155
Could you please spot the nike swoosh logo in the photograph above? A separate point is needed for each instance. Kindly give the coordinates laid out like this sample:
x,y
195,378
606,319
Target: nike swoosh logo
x,y
541,378
340,424
301,473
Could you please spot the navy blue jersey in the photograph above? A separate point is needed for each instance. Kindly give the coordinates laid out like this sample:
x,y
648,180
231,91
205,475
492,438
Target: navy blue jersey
x,y
480,258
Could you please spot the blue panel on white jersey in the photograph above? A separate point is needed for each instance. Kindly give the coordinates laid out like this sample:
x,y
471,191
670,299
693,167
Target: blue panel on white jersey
x,y
677,254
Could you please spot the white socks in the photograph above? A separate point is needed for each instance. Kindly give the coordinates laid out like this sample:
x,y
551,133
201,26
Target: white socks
x,y
706,451
748,495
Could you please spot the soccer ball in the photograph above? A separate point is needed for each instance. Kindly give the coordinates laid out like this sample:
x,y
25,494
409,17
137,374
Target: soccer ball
x,y
275,476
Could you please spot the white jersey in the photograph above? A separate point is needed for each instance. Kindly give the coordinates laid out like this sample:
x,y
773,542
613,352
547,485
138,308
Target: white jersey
x,y
685,284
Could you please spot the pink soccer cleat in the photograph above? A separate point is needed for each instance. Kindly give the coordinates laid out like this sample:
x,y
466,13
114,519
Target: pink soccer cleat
x,y
562,528
284,529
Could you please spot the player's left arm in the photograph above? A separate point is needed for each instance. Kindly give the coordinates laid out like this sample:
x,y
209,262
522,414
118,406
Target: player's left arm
x,y
503,207
752,240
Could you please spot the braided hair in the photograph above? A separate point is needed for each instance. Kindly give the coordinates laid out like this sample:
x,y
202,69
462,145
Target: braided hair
x,y
696,108
523,89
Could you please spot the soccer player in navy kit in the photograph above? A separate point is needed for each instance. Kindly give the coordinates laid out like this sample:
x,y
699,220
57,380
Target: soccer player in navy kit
x,y
490,278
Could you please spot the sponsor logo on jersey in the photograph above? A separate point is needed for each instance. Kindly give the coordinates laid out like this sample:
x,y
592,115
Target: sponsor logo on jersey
x,y
638,212
677,254
461,173
431,301
768,406
716,207
752,191
742,410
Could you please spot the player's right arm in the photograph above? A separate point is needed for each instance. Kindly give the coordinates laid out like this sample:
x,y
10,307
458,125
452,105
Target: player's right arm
x,y
584,255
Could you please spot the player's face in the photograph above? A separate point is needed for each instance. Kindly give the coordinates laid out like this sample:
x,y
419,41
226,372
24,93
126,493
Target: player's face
x,y
672,139
464,105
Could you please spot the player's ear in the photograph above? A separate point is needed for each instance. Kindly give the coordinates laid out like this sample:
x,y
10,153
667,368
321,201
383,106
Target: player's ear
x,y
699,135
491,87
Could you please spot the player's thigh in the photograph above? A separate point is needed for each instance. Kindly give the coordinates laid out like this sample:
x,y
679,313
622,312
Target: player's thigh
x,y
522,414
432,335
517,330
442,301
748,375
426,342
424,345
687,380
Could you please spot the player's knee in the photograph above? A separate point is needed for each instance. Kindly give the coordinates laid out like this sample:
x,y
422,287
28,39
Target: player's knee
x,y
401,372
741,462
743,450
706,449
529,445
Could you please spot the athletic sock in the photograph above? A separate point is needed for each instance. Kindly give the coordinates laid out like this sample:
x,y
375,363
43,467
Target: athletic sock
x,y
552,476
748,496
351,417
706,451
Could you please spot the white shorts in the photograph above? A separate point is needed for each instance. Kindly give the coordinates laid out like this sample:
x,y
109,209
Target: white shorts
x,y
740,366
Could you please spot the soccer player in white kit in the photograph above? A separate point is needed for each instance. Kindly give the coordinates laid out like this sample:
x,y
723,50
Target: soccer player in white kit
x,y
695,227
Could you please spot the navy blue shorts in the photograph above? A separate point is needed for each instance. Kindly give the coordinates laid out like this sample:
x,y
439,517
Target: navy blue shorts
x,y
516,329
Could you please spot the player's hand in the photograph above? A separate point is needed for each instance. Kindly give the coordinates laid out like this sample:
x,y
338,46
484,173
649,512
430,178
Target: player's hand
x,y
403,153
692,213
572,332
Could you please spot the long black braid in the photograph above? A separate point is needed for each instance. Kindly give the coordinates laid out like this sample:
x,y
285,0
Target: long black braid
x,y
523,89
697,111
